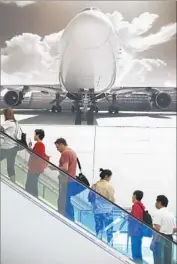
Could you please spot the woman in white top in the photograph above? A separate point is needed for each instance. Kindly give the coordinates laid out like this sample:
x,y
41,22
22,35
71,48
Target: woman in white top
x,y
102,208
9,147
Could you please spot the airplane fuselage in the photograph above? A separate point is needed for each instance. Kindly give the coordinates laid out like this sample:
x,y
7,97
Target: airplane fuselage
x,y
88,53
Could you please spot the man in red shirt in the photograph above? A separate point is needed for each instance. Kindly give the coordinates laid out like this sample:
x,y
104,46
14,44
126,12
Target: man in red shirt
x,y
36,165
67,187
135,227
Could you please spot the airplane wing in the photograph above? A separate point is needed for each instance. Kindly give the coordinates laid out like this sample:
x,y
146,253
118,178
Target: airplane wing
x,y
28,88
138,90
15,94
130,90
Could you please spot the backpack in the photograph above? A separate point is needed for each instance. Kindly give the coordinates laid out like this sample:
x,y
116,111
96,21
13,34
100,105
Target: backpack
x,y
77,187
20,137
81,177
147,219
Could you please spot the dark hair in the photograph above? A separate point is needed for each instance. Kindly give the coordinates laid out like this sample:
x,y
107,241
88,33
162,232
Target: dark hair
x,y
139,195
40,133
9,114
105,173
61,141
163,200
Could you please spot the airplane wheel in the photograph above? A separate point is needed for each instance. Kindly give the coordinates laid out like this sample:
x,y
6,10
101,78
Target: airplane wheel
x,y
116,111
96,110
90,117
54,109
78,119
110,110
72,109
59,109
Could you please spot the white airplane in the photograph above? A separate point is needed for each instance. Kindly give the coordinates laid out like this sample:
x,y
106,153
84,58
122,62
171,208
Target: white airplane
x,y
88,66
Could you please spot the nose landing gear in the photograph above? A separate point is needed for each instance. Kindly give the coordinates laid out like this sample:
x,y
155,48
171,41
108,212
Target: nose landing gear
x,y
86,107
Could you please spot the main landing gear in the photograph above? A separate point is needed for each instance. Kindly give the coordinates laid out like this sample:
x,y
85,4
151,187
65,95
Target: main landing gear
x,y
113,108
57,107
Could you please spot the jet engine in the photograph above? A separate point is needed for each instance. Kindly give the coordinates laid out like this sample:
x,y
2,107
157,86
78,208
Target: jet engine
x,y
13,98
162,100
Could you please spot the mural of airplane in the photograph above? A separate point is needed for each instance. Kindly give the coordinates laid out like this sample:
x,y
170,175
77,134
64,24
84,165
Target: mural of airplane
x,y
87,70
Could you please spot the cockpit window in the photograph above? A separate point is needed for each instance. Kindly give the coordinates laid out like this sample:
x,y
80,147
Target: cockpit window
x,y
86,9
90,8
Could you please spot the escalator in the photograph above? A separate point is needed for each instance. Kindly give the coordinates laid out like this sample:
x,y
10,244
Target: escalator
x,y
33,231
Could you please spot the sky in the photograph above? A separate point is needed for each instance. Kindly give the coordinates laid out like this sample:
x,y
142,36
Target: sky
x,y
30,33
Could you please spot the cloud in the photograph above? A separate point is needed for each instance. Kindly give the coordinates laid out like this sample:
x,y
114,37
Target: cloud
x,y
171,79
143,23
30,59
144,72
164,35
138,26
170,83
19,3
126,31
129,34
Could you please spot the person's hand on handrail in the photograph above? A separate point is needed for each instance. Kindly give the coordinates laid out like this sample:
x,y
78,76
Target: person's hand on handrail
x,y
51,167
1,129
175,230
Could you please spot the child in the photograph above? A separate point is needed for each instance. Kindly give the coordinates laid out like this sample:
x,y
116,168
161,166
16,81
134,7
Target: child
x,y
36,165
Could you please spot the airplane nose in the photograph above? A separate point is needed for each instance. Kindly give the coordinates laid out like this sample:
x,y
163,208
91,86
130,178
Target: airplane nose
x,y
91,29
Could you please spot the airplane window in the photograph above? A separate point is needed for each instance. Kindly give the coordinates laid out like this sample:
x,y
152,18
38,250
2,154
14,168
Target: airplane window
x,y
94,8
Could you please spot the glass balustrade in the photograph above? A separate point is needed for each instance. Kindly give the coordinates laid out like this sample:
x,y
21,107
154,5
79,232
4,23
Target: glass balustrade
x,y
106,221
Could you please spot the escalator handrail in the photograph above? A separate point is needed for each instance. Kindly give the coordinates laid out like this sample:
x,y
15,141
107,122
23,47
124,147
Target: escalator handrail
x,y
75,179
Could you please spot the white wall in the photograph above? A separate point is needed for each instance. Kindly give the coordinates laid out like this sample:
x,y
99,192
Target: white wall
x,y
30,235
140,158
